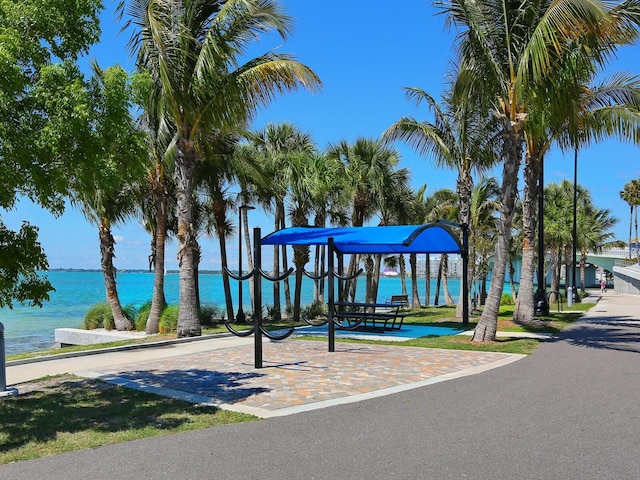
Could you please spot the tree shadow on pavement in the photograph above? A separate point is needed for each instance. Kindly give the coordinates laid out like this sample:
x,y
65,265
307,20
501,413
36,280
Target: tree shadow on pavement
x,y
610,333
222,386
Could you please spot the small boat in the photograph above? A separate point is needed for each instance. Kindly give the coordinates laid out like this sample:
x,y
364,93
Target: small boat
x,y
390,272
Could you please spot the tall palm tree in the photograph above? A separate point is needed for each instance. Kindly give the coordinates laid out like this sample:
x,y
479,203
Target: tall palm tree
x,y
605,109
215,180
300,174
275,148
459,137
328,204
594,232
369,164
445,205
417,213
158,196
106,195
631,194
482,228
507,52
395,199
194,51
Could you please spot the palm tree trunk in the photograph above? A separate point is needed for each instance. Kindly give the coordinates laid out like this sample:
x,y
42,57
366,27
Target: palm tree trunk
x,y
277,305
427,280
445,280
488,323
413,265
226,283
300,259
630,228
285,266
368,265
107,245
247,245
158,301
376,277
403,273
438,281
185,174
524,309
464,186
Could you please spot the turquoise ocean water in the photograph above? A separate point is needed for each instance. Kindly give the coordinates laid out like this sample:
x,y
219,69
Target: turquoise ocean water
x,y
32,328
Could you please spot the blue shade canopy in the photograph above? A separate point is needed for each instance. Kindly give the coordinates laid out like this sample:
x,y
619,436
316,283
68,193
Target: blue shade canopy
x,y
430,238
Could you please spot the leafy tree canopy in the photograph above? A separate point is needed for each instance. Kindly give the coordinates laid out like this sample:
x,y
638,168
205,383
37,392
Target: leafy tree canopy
x,y
43,113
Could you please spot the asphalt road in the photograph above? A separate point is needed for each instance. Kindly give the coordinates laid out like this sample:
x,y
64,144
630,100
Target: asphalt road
x,y
571,410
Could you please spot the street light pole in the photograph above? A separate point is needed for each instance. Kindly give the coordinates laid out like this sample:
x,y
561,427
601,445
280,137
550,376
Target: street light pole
x,y
541,304
575,297
240,318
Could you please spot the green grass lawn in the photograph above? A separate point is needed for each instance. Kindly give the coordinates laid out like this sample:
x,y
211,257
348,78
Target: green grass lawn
x,y
67,413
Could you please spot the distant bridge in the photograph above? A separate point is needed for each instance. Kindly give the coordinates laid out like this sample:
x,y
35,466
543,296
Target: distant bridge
x,y
612,257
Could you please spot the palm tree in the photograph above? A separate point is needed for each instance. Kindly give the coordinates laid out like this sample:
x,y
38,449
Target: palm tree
x,y
482,228
216,177
158,196
631,195
459,137
300,174
507,52
606,109
274,148
194,51
395,200
369,164
594,232
444,205
416,214
106,195
328,204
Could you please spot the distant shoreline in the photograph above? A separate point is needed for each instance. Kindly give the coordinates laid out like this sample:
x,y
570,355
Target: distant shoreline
x,y
97,270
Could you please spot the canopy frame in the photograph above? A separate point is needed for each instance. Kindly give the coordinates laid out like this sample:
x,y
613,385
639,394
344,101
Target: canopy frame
x,y
397,239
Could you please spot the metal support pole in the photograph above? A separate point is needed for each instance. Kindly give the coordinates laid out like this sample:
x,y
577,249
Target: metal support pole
x,y
574,290
331,282
4,391
257,298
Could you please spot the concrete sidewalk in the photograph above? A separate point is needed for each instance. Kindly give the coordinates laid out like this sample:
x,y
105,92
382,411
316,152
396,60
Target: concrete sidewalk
x,y
569,410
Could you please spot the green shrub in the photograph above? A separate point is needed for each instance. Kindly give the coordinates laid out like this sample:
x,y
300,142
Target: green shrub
x,y
273,312
131,312
210,315
169,319
506,299
143,315
99,316
313,310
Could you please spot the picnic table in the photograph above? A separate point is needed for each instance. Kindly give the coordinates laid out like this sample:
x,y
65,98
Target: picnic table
x,y
370,317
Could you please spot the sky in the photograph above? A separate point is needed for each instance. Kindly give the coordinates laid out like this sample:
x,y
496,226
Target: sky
x,y
365,53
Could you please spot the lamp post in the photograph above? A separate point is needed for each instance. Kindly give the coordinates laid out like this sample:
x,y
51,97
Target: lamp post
x,y
541,304
240,318
574,292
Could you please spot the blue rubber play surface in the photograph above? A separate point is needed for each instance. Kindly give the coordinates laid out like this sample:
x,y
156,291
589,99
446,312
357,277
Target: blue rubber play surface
x,y
405,333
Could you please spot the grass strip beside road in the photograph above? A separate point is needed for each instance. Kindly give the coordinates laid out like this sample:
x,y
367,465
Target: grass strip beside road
x,y
67,413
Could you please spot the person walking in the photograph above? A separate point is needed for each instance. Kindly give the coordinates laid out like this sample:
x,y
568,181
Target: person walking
x,y
603,286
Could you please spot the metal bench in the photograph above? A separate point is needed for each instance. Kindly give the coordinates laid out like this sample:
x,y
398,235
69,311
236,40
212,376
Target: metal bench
x,y
402,300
